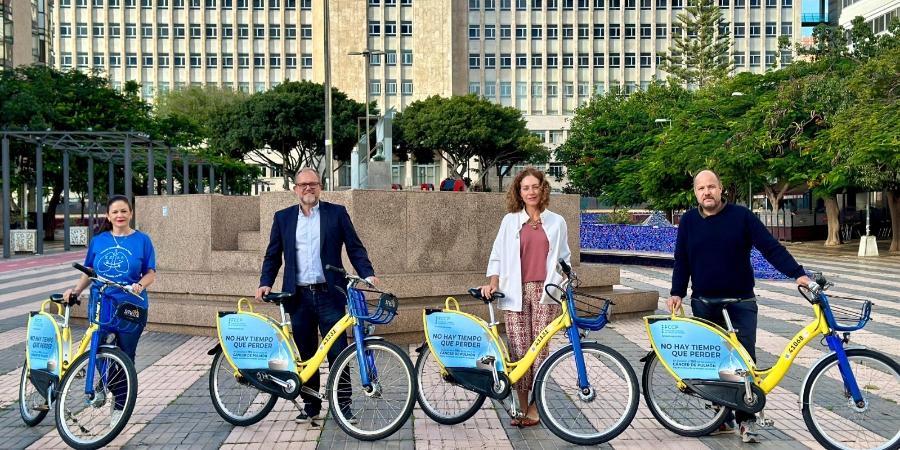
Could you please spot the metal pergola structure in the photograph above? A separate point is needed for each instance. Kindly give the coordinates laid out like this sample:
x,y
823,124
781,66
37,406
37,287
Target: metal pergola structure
x,y
112,147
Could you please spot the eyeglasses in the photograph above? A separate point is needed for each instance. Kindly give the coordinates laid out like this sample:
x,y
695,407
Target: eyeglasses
x,y
304,186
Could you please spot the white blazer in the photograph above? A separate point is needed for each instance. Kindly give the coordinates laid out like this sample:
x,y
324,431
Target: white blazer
x,y
506,261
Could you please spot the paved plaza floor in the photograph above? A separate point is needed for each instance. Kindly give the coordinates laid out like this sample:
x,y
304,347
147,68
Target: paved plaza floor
x,y
174,410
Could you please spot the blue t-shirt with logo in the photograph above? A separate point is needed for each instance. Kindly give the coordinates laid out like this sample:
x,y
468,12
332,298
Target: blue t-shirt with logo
x,y
125,259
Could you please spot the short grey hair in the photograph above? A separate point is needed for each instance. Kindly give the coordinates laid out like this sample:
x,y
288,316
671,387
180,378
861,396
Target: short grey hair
x,y
306,169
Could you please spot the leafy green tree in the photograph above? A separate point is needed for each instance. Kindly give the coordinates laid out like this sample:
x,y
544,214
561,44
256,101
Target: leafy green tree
x,y
865,132
701,52
289,120
466,127
609,138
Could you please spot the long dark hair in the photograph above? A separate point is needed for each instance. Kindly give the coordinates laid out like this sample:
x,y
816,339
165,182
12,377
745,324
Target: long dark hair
x,y
107,225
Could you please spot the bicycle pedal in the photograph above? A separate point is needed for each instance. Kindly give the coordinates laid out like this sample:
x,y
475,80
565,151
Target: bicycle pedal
x,y
766,423
41,408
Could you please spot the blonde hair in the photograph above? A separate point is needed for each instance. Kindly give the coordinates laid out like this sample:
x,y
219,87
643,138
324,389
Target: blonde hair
x,y
514,201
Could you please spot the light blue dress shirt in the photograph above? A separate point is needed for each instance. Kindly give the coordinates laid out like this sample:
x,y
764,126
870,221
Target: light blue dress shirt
x,y
308,240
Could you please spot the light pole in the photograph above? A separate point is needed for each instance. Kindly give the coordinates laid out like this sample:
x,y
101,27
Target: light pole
x,y
355,155
328,134
664,121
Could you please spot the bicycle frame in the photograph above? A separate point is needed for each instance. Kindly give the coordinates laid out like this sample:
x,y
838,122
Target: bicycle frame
x,y
768,379
520,367
305,369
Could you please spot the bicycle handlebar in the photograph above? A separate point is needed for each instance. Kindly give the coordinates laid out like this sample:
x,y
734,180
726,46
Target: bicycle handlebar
x,y
565,267
92,274
350,276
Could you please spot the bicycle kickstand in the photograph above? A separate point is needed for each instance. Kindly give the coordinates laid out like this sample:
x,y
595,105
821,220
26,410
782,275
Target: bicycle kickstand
x,y
763,422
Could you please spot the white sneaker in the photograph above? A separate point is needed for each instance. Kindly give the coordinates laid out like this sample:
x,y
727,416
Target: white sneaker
x,y
748,432
114,417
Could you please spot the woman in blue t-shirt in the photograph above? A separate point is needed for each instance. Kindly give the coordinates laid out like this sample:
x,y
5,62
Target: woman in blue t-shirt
x,y
122,254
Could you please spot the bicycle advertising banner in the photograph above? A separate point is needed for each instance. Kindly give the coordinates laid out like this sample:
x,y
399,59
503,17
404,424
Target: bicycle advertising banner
x,y
252,342
42,348
692,350
459,341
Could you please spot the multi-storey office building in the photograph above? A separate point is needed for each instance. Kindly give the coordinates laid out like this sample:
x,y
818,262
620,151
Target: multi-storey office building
x,y
878,13
24,32
543,57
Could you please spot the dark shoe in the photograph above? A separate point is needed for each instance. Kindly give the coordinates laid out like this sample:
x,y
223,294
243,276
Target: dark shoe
x,y
304,418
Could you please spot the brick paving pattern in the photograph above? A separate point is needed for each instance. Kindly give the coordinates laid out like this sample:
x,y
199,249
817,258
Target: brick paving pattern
x,y
174,411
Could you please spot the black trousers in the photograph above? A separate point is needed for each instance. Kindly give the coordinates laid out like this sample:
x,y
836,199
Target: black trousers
x,y
744,320
316,313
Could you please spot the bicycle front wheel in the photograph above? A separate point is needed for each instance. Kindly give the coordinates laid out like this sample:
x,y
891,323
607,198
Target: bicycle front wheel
x,y
586,418
376,412
235,399
32,405
682,413
443,401
836,421
88,425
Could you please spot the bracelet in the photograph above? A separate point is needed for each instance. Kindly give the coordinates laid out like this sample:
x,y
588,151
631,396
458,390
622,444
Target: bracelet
x,y
141,285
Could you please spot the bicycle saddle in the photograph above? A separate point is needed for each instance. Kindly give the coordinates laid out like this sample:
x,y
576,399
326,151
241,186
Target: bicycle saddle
x,y
58,298
722,301
475,292
276,297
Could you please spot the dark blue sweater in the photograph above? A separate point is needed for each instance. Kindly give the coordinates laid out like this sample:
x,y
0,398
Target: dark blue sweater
x,y
714,253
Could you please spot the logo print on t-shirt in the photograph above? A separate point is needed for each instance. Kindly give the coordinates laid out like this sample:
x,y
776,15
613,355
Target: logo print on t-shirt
x,y
114,262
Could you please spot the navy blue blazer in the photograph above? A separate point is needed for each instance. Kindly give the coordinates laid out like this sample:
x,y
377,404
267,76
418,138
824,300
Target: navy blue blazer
x,y
336,230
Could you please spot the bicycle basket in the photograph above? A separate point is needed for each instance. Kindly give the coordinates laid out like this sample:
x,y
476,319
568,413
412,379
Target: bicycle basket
x,y
849,314
591,311
385,308
122,317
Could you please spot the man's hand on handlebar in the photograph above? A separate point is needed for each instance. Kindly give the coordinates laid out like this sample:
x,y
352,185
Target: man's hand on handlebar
x,y
804,281
673,303
374,281
261,291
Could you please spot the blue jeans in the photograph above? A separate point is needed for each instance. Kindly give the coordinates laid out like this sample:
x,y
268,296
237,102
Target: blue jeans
x,y
128,343
744,319
316,313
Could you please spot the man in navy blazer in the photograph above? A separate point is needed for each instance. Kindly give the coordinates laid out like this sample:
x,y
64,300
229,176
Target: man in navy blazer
x,y
309,236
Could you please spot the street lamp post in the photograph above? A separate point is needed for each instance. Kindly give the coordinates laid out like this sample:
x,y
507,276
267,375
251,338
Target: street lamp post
x,y
328,133
355,155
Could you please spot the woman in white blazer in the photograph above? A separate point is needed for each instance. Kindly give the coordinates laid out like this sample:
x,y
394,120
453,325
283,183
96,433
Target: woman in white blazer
x,y
530,241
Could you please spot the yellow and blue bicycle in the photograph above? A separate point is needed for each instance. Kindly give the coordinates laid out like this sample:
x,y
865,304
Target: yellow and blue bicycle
x,y
698,372
370,386
94,388
586,393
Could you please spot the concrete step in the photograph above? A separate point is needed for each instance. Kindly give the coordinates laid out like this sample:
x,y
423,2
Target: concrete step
x,y
251,241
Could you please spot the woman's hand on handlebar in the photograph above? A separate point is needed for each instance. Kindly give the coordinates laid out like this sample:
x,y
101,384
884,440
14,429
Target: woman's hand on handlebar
x,y
261,291
373,280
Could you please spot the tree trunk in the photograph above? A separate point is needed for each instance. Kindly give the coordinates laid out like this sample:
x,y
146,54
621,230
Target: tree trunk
x,y
50,216
893,201
833,218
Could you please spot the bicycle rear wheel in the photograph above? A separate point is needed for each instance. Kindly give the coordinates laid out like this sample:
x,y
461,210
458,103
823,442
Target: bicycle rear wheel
x,y
443,401
31,401
680,412
385,407
586,418
235,399
833,418
88,426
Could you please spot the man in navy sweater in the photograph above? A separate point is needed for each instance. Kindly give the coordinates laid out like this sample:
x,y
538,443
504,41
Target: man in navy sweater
x,y
712,249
